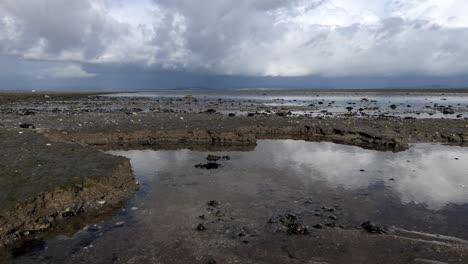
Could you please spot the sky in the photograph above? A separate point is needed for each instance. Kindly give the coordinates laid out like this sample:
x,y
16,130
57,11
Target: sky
x,y
165,44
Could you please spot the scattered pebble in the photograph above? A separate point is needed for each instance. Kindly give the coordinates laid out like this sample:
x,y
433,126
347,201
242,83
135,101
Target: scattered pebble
x,y
119,224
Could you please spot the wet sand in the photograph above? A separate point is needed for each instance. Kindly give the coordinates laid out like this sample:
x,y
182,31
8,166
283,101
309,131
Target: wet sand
x,y
90,121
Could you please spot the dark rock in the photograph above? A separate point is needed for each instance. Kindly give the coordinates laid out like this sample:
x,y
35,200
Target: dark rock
x,y
211,261
393,106
328,209
333,217
201,227
27,112
318,226
213,158
250,114
448,111
210,111
231,115
372,228
27,126
298,229
208,166
293,225
68,214
213,203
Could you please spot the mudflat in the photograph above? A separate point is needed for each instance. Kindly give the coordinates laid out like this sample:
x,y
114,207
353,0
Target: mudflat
x,y
54,170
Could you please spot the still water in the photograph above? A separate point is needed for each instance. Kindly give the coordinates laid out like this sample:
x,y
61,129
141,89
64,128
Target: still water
x,y
424,189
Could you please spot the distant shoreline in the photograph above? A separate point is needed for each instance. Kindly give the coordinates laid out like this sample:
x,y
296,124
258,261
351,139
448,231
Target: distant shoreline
x,y
98,92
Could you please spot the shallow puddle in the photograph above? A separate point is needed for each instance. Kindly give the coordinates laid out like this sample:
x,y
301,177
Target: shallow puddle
x,y
417,195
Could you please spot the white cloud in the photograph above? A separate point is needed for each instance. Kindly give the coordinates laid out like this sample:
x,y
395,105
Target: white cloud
x,y
264,37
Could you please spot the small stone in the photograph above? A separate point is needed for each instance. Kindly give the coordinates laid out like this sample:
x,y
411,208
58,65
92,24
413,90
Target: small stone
x,y
31,126
372,228
208,166
201,227
317,226
213,203
119,224
219,213
328,209
211,261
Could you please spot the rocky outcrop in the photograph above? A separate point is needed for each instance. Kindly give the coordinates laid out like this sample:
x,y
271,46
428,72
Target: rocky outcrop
x,y
45,182
47,209
240,136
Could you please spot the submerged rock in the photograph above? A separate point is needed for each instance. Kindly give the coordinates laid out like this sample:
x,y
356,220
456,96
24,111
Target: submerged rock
x,y
216,158
208,166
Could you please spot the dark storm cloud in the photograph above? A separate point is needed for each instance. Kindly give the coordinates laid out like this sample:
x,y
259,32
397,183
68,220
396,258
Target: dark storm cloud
x,y
267,42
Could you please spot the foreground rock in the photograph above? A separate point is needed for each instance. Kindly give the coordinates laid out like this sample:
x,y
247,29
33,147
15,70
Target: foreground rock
x,y
44,182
